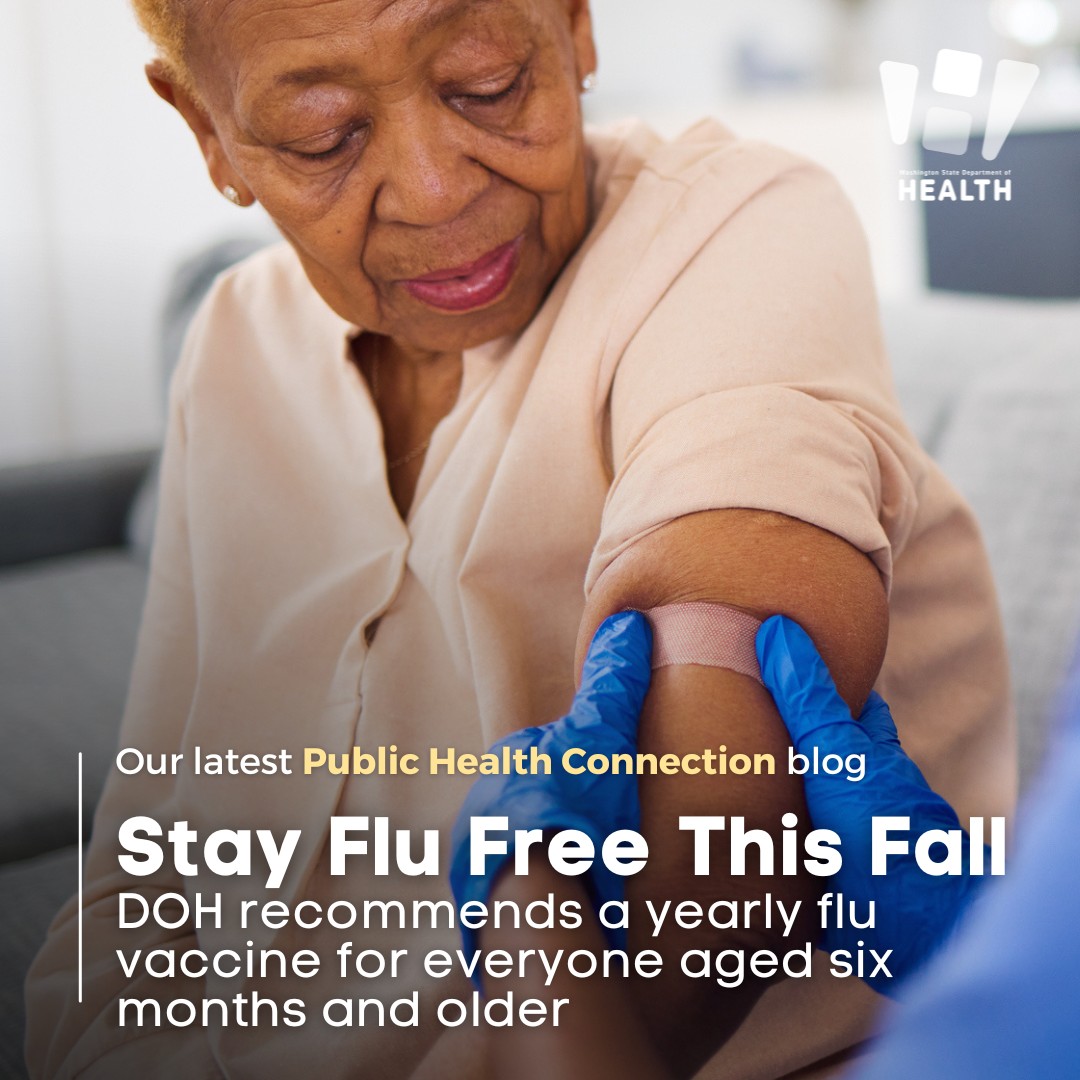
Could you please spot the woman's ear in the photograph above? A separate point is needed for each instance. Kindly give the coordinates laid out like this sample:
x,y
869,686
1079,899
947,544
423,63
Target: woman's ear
x,y
223,175
581,31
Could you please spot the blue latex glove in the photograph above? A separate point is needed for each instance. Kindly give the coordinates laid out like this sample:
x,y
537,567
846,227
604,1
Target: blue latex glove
x,y
915,912
602,720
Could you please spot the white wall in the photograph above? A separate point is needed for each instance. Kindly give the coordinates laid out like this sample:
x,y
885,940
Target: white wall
x,y
102,191
667,54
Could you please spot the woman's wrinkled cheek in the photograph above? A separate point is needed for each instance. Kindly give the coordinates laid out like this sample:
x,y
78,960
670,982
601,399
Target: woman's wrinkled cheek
x,y
565,205
334,205
327,223
332,257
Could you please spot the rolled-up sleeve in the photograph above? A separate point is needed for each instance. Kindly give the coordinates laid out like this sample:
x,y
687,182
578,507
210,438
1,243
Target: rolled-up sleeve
x,y
760,381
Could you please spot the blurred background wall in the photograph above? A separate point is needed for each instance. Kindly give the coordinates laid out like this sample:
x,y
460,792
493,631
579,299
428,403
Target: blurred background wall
x,y
102,191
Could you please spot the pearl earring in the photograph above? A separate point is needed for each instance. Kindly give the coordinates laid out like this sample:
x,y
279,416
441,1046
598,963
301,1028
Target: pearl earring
x,y
589,83
232,195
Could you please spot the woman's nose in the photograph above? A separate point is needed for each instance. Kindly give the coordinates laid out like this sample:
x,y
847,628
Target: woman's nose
x,y
428,176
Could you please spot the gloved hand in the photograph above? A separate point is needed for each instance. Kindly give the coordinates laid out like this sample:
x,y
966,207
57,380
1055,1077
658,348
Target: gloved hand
x,y
602,720
914,912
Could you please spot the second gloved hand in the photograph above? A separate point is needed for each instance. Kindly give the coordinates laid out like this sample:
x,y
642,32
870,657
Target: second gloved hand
x,y
914,911
602,720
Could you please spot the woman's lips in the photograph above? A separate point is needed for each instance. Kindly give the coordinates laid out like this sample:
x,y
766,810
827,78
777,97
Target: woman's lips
x,y
463,288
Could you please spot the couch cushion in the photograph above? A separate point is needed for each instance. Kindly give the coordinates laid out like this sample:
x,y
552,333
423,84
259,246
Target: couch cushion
x,y
1013,448
58,508
67,637
31,893
941,344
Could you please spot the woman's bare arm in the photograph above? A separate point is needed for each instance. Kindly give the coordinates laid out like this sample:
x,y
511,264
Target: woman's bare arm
x,y
598,1035
764,564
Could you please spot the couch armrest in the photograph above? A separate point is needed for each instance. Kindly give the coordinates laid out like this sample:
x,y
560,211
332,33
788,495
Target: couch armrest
x,y
61,507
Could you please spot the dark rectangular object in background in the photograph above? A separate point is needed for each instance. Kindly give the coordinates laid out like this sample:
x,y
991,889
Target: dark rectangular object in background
x,y
1027,247
59,507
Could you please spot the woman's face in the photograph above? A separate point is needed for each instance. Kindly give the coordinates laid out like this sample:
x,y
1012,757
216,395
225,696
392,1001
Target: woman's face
x,y
424,157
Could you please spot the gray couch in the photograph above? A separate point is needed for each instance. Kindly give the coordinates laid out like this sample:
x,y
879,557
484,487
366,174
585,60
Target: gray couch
x,y
991,388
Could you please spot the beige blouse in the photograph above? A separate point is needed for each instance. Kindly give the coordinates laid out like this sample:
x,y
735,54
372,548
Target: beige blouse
x,y
714,343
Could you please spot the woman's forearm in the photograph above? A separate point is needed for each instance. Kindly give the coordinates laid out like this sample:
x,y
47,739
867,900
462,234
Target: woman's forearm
x,y
687,709
598,1032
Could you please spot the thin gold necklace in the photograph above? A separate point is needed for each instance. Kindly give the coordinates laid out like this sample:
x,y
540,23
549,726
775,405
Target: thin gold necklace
x,y
412,455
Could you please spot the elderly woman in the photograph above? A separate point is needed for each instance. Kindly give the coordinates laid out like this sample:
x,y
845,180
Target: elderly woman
x,y
504,379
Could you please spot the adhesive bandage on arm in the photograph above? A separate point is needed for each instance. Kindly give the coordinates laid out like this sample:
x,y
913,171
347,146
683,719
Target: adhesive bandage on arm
x,y
711,635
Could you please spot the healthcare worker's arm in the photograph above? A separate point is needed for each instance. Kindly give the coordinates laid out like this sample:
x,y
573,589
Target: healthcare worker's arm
x,y
763,564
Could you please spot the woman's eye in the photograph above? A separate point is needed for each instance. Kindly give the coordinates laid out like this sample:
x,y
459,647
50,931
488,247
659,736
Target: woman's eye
x,y
320,153
497,96
323,155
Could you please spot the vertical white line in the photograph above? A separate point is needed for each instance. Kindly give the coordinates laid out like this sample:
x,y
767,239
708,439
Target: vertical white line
x,y
79,854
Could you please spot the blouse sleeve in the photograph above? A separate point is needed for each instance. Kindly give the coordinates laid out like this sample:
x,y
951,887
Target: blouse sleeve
x,y
66,1038
759,380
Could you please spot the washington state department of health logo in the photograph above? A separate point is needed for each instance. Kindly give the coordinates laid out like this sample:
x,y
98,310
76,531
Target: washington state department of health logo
x,y
957,74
